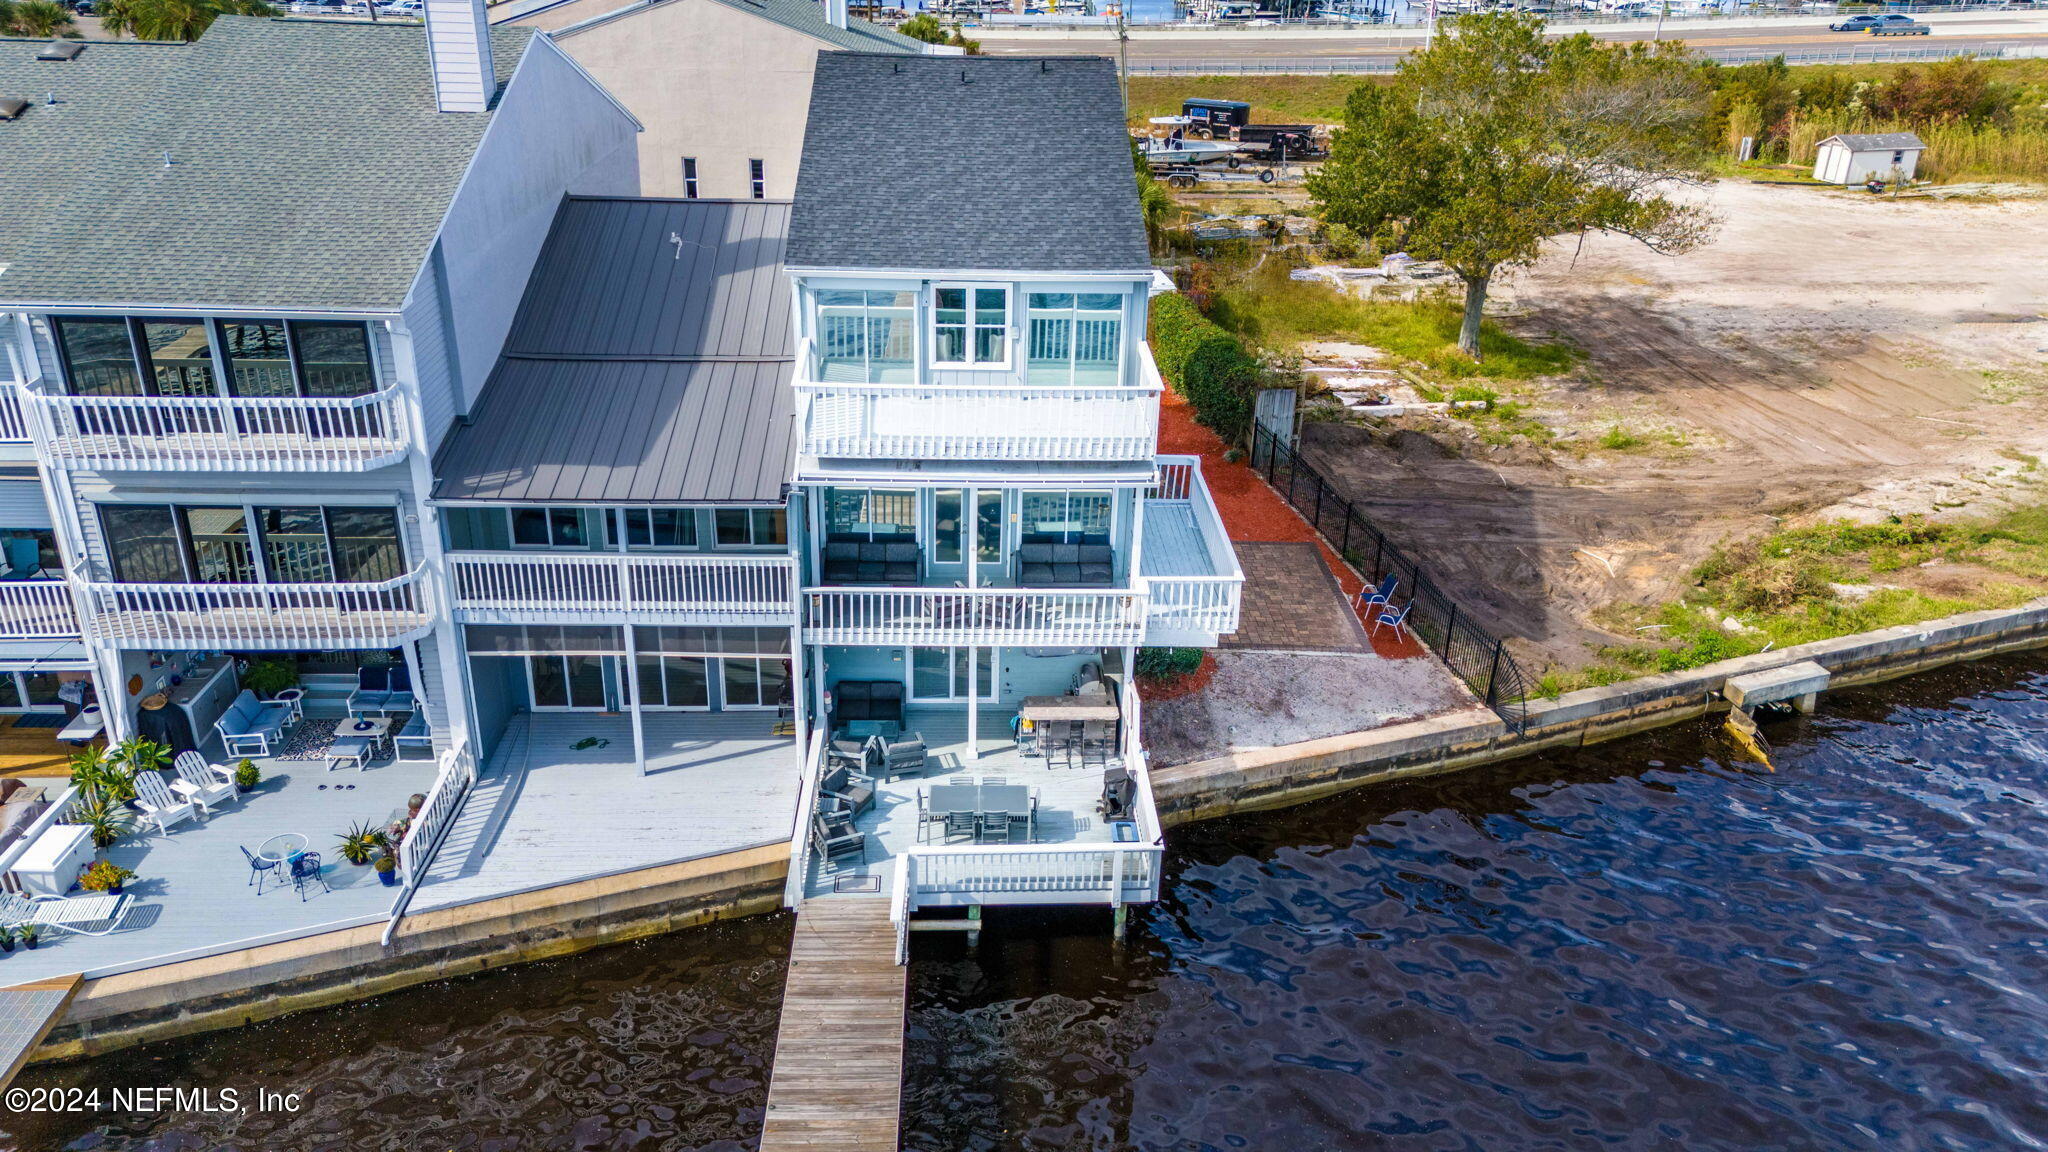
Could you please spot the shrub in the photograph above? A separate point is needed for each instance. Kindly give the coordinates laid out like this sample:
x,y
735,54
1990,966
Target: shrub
x,y
1168,663
266,678
1205,364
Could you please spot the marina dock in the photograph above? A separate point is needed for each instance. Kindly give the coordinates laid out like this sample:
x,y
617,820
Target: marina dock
x,y
838,1075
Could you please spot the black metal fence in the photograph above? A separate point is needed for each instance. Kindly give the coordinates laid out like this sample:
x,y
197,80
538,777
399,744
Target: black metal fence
x,y
1474,654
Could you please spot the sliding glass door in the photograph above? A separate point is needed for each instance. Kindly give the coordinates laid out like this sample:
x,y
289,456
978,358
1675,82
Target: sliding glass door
x,y
569,683
251,544
939,674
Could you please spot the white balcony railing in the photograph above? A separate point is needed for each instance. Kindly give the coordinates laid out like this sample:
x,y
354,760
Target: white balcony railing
x,y
489,586
216,434
37,610
423,839
981,421
1203,593
977,616
318,617
13,425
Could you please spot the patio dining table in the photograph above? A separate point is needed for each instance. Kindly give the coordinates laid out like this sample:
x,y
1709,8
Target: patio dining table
x,y
1014,799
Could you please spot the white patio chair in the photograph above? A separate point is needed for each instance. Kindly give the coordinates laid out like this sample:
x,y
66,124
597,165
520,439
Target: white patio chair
x,y
199,784
154,797
64,913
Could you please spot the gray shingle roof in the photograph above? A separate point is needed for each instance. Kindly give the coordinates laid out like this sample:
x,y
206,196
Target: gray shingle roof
x,y
635,374
309,167
806,16
990,162
1878,141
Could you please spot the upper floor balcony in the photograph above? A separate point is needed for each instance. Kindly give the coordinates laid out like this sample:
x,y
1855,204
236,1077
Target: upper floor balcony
x,y
977,416
219,433
979,617
516,587
1190,573
37,610
308,616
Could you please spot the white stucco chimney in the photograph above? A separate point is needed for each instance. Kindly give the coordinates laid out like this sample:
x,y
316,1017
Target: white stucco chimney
x,y
835,11
459,42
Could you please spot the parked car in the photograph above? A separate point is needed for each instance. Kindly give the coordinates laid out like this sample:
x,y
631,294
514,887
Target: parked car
x,y
1900,26
1870,22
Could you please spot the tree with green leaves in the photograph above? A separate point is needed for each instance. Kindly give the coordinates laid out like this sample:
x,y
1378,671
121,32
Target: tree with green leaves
x,y
1492,140
185,20
36,18
925,27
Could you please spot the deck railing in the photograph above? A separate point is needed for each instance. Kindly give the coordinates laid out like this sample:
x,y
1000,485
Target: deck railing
x,y
37,610
800,839
978,616
1207,603
1005,420
317,617
444,802
13,425
752,587
220,433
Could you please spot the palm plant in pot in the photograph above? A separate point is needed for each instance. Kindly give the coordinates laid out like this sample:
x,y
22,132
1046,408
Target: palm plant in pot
x,y
361,842
29,935
93,770
138,754
6,937
106,817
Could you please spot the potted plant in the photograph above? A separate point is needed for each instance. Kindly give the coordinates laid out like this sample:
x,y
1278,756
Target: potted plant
x,y
360,843
107,817
247,776
6,938
266,678
139,754
92,770
104,876
387,870
29,935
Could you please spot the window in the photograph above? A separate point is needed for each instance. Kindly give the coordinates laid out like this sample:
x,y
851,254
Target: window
x,y
576,682
1074,337
259,360
757,180
867,337
166,544
752,527
333,358
661,528
179,359
674,681
941,674
142,543
46,547
99,359
753,682
1066,517
971,326
549,528
988,517
689,177
870,514
947,530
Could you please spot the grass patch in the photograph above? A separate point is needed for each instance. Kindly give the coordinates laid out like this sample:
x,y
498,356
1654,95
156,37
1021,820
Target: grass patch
x,y
1780,590
1268,308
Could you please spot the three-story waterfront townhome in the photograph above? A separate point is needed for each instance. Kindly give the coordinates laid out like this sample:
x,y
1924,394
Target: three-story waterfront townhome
x,y
986,533
251,282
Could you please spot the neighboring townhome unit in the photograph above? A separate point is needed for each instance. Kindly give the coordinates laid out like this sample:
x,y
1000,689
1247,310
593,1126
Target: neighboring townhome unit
x,y
986,532
722,85
249,284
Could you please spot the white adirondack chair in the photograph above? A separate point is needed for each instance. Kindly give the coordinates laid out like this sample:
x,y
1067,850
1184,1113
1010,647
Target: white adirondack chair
x,y
154,797
200,784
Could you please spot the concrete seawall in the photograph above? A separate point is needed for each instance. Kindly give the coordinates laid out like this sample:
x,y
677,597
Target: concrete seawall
x,y
336,967
1295,773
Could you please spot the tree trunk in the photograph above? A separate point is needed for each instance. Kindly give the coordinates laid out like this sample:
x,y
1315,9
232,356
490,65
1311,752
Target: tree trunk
x,y
1475,307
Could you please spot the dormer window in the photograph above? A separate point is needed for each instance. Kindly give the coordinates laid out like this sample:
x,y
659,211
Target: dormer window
x,y
970,326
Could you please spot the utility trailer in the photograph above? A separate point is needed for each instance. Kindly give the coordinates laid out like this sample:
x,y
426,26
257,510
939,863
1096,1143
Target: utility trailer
x,y
1187,176
1231,120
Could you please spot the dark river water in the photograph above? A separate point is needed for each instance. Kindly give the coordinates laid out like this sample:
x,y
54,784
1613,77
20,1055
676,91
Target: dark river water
x,y
1641,945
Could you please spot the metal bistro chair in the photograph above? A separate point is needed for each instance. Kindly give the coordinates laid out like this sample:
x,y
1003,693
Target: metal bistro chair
x,y
261,869
306,873
1056,738
959,824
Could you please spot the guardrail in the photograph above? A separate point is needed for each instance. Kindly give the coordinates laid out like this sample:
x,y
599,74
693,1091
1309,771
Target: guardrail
x,y
754,588
1207,603
37,610
13,423
1112,874
1475,655
220,433
1340,66
976,616
444,802
806,808
319,617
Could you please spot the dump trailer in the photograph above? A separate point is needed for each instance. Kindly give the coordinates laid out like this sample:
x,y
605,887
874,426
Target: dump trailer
x,y
1231,120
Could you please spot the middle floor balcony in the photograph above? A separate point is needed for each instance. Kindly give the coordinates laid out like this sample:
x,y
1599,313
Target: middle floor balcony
x,y
219,433
301,617
577,587
1033,617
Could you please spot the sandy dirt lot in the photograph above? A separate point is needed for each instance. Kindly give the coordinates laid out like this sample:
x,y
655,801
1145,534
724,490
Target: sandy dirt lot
x,y
1829,354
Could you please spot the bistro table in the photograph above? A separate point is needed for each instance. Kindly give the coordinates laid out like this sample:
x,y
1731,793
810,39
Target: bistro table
x,y
282,848
1014,799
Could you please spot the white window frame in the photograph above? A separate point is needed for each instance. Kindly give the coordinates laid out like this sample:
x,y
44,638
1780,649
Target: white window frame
x,y
725,700
757,177
512,529
954,687
752,544
1072,315
689,177
1009,328
712,673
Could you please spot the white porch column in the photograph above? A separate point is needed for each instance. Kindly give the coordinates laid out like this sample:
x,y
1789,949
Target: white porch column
x,y
970,531
973,708
818,686
632,675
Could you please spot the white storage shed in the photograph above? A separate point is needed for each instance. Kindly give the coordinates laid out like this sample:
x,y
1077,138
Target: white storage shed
x,y
1854,158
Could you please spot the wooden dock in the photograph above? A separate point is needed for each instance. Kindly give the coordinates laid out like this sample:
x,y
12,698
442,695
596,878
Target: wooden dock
x,y
838,1076
27,1012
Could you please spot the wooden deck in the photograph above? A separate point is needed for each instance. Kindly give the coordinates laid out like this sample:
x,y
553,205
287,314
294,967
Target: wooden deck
x,y
838,1076
33,751
27,1011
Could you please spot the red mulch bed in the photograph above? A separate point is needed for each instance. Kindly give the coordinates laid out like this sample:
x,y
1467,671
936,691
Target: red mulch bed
x,y
1150,689
1253,512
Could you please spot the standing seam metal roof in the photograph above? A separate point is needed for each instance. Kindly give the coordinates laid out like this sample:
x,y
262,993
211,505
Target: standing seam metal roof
x,y
640,369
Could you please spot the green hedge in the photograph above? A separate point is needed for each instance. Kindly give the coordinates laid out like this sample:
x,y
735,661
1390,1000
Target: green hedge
x,y
1205,364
